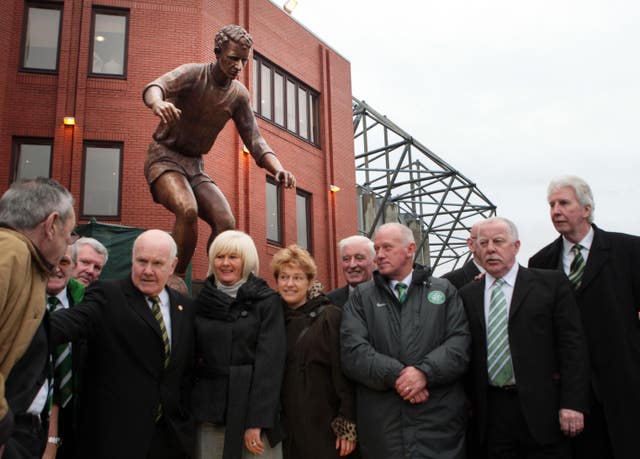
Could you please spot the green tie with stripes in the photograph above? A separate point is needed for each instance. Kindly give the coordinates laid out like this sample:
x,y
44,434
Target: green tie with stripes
x,y
157,313
63,384
499,366
577,266
401,288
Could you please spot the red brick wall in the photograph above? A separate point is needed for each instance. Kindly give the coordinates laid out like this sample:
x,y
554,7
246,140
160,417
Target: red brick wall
x,y
163,35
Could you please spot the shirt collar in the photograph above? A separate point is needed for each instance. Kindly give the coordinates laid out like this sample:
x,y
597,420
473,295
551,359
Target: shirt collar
x,y
586,242
406,281
509,278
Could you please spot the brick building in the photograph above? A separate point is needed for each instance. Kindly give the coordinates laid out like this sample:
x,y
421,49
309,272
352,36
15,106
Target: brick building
x,y
90,60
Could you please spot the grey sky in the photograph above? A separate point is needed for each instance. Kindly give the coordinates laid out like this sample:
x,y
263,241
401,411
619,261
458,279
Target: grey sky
x,y
511,93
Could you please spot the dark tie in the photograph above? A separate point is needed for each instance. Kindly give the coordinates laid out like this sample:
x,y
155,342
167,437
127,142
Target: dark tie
x,y
499,364
63,384
157,313
401,288
577,266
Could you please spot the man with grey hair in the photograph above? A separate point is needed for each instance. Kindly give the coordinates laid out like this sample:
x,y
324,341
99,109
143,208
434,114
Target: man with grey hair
x,y
356,259
36,225
472,268
529,364
405,342
137,381
89,257
604,268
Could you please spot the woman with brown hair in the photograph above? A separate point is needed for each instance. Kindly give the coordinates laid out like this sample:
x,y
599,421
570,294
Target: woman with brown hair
x,y
318,409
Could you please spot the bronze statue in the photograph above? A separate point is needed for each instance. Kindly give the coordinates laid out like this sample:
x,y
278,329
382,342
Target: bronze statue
x,y
194,102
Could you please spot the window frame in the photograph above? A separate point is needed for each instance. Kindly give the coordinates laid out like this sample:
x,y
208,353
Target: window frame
x,y
101,144
312,98
109,11
308,197
278,187
23,39
17,143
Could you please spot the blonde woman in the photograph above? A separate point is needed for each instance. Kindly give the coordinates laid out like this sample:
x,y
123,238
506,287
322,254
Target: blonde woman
x,y
240,352
318,408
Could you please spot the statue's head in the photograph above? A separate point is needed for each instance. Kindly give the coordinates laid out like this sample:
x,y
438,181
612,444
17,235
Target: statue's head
x,y
233,33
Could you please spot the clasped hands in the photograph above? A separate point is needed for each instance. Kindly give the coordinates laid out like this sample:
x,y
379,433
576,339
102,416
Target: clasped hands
x,y
411,385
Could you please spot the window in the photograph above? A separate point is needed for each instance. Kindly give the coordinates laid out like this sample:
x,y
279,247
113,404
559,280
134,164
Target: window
x,y
41,36
303,219
285,101
274,198
101,179
109,42
31,158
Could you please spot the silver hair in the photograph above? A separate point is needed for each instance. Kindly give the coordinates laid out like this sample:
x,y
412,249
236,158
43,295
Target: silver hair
x,y
357,239
27,203
405,232
93,243
513,229
579,186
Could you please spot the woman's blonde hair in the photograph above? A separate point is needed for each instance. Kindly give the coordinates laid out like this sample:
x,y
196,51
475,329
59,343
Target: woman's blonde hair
x,y
237,242
296,256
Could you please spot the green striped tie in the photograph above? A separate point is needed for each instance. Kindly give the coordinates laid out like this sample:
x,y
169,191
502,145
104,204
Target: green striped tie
x,y
499,366
157,313
401,288
577,266
63,384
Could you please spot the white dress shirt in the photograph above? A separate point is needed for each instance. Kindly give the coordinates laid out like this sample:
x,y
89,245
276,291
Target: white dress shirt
x,y
567,254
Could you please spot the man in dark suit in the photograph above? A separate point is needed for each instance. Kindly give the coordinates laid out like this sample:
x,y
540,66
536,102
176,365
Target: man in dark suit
x,y
472,268
135,397
529,364
605,271
356,258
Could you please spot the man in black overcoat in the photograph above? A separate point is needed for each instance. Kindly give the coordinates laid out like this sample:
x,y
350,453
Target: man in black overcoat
x,y
607,289
137,379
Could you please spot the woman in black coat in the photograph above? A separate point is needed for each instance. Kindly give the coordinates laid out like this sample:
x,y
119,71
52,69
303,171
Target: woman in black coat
x,y
318,409
240,354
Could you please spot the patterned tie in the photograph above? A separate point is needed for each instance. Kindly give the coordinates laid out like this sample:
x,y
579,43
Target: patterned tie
x,y
402,291
577,266
499,366
157,313
63,384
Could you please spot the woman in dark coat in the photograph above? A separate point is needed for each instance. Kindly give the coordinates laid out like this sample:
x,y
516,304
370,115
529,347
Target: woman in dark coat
x,y
240,354
317,400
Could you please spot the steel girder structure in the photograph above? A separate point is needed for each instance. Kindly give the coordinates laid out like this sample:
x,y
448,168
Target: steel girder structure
x,y
399,179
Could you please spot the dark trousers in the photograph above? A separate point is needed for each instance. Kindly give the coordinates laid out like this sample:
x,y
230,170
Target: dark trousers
x,y
593,442
66,431
165,444
508,435
28,439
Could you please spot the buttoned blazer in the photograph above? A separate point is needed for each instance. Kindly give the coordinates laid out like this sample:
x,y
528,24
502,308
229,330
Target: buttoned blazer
x,y
548,351
462,276
609,302
125,379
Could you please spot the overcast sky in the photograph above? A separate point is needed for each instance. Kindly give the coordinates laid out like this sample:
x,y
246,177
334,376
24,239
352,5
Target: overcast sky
x,y
511,93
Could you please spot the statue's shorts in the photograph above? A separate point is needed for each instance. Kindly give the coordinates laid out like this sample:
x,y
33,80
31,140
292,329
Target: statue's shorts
x,y
161,159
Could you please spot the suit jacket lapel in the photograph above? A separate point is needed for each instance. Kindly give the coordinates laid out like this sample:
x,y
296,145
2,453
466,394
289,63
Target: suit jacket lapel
x,y
598,255
520,291
140,306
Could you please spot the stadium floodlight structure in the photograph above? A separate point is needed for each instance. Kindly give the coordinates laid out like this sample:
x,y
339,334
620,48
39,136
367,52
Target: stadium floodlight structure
x,y
399,179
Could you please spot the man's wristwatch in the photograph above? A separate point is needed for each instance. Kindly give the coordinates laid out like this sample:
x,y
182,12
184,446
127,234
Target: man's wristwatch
x,y
55,440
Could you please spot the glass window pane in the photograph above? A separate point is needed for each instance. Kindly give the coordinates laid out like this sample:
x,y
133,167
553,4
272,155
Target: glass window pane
x,y
41,38
273,212
33,161
109,44
303,117
255,85
265,91
278,98
313,121
101,181
302,220
291,106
